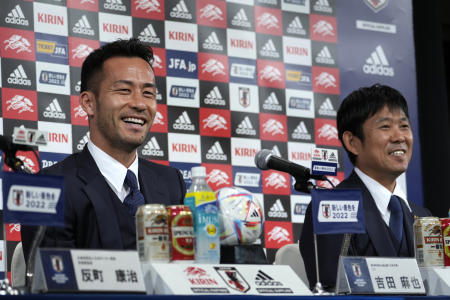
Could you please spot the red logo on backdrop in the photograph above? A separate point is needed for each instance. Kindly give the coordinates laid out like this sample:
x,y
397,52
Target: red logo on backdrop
x,y
159,61
213,67
325,80
268,20
149,9
29,160
326,132
161,162
18,44
91,5
79,49
277,234
275,182
334,179
273,127
323,28
160,120
218,176
215,122
79,116
19,104
270,73
212,13
13,232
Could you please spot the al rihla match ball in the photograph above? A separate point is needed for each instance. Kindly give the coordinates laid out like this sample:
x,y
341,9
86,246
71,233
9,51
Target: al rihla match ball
x,y
240,216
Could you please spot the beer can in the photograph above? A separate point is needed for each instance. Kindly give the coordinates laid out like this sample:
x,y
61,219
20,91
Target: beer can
x,y
428,238
152,233
445,223
181,232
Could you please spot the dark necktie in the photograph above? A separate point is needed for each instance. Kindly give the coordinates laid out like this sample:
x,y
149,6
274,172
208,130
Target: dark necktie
x,y
135,198
396,219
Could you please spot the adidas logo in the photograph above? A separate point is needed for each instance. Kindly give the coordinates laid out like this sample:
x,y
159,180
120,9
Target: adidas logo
x,y
148,35
18,76
240,19
16,16
324,57
323,6
183,122
181,11
152,148
114,5
277,210
271,103
296,27
214,97
245,127
83,141
269,50
54,110
83,27
212,42
255,214
327,108
300,132
216,152
276,151
262,279
377,64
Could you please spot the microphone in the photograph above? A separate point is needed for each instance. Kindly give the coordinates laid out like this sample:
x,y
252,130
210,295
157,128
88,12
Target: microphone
x,y
8,146
265,160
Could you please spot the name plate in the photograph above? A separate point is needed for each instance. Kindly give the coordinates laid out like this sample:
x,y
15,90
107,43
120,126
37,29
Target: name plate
x,y
379,275
207,279
64,270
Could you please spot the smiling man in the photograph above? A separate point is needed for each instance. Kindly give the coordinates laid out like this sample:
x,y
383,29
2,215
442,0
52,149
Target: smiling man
x,y
106,182
373,126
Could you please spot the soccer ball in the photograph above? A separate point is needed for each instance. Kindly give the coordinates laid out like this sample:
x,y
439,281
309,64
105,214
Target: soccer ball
x,y
240,216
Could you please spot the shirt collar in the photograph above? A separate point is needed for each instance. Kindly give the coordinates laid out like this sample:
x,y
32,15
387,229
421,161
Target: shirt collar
x,y
113,171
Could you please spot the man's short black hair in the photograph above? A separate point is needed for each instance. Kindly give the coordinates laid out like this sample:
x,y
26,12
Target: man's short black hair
x,y
93,64
362,104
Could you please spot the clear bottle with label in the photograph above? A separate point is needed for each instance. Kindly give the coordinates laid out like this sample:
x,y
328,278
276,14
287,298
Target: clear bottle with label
x,y
202,202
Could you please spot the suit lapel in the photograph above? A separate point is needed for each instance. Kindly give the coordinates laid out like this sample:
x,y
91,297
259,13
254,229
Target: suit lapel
x,y
408,221
98,193
150,186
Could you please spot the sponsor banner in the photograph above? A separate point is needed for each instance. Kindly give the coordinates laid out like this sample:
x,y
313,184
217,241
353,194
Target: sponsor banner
x,y
218,176
299,203
50,18
212,40
161,93
275,182
278,148
300,6
299,103
149,31
242,70
244,97
75,82
19,104
149,9
160,122
244,124
13,232
269,47
272,100
277,208
215,122
59,137
216,150
80,136
18,74
213,67
159,63
181,11
17,44
53,108
113,27
90,5
298,77
77,115
52,78
326,132
183,92
300,153
184,148
326,80
52,48
297,51
269,3
185,170
17,15
277,234
270,74
243,151
324,54
241,43
181,36
248,178
212,13
79,49
273,127
184,120
295,24
154,147
268,20
121,7
48,159
321,7
377,63
83,24
181,64
214,94
29,160
240,16
334,179
10,124
300,129
326,106
323,28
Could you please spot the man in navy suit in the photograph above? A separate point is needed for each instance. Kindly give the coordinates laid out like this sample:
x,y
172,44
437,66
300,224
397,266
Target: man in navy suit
x,y
373,126
106,182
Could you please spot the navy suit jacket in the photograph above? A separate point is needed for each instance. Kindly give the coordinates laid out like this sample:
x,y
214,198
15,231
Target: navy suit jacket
x,y
90,217
375,242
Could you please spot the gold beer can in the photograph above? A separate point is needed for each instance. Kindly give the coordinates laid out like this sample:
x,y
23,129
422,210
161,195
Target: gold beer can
x,y
428,241
152,233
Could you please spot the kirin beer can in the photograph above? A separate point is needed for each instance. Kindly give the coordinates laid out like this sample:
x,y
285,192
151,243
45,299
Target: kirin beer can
x,y
152,232
181,232
445,223
429,247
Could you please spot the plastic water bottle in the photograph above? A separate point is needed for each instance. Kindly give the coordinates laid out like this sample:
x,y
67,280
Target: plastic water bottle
x,y
202,202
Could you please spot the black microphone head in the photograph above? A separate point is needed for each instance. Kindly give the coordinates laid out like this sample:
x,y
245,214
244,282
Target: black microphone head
x,y
261,159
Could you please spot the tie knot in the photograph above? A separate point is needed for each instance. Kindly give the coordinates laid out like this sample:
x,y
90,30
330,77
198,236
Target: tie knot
x,y
394,204
130,180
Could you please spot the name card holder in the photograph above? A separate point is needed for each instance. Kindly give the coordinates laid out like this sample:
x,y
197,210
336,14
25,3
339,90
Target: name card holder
x,y
378,275
64,270
436,280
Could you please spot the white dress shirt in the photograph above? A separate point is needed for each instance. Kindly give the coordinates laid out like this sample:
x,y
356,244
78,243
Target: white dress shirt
x,y
382,195
113,171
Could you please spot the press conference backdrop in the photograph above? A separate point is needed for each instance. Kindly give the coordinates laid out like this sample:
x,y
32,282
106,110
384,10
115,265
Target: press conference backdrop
x,y
233,77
